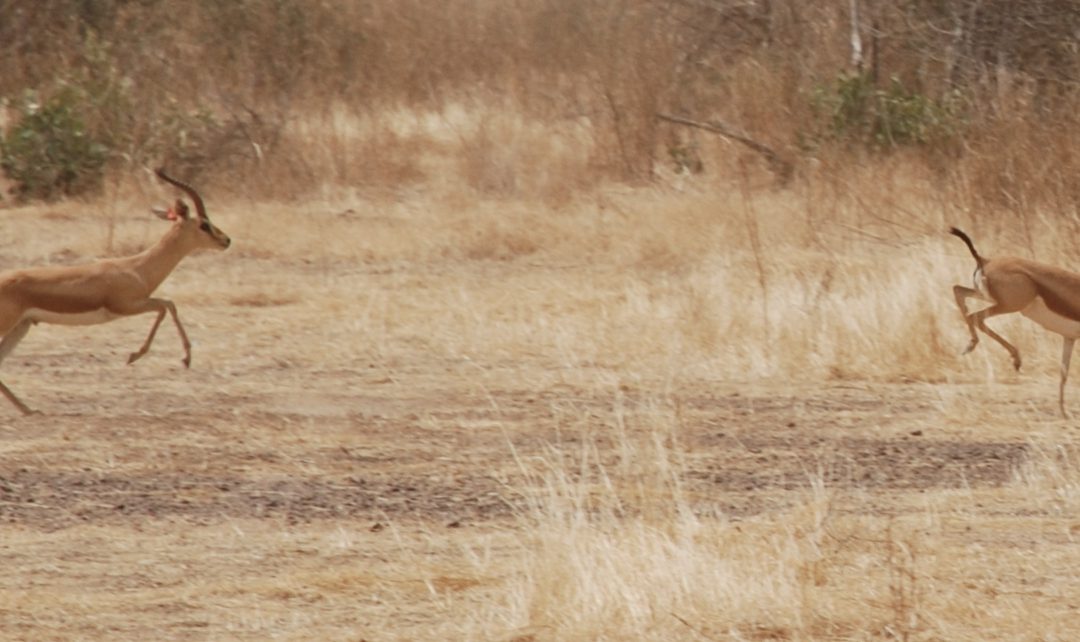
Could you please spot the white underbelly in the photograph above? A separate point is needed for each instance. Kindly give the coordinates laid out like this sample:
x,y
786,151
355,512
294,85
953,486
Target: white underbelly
x,y
1052,321
93,317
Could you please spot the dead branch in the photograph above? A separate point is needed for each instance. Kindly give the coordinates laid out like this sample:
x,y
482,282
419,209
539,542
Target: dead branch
x,y
780,166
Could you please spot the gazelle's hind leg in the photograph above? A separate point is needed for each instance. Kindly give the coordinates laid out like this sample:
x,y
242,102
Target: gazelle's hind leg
x,y
12,339
962,294
979,319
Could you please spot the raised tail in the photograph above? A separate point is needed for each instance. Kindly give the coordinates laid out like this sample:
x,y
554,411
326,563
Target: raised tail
x,y
967,241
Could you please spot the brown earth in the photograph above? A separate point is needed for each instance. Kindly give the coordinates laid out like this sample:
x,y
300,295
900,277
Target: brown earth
x,y
447,458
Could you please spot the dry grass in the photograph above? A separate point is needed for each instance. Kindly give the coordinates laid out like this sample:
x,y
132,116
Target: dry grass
x,y
481,365
479,407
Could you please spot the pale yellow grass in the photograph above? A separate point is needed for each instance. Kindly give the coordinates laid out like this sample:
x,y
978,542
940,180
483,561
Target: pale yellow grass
x,y
237,580
576,356
963,564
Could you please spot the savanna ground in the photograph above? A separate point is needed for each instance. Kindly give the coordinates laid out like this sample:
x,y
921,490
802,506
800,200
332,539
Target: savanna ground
x,y
498,353
435,416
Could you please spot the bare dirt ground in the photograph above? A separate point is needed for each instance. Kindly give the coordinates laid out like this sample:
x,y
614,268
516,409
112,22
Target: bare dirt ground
x,y
446,457
319,471
206,509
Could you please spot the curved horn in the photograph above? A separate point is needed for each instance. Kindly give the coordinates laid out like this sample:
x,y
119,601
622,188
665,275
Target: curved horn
x,y
199,207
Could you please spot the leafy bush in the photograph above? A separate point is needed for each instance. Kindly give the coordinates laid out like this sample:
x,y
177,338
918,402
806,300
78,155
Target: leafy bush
x,y
65,133
49,151
856,110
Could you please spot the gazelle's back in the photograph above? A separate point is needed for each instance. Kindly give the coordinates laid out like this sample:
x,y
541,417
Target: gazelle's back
x,y
1057,287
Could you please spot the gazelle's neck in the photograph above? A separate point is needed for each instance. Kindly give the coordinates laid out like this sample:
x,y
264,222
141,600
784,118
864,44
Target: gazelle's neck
x,y
155,263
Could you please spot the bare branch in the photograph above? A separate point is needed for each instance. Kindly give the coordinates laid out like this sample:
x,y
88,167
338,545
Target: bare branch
x,y
780,166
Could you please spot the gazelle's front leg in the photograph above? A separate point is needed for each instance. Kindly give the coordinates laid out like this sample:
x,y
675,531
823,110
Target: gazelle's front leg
x,y
161,306
12,339
1066,356
23,408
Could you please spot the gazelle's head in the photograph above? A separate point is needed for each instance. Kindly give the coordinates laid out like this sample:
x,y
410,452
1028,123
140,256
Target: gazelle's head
x,y
206,234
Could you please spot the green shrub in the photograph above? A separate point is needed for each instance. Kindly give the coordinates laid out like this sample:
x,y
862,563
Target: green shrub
x,y
65,134
855,109
49,152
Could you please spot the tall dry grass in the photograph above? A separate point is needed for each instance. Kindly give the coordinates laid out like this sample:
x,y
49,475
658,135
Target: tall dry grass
x,y
617,544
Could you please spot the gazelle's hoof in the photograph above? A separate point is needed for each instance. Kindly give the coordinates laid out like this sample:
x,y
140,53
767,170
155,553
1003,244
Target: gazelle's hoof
x,y
970,347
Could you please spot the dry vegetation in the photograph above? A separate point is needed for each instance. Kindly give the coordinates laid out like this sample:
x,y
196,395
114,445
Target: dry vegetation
x,y
485,363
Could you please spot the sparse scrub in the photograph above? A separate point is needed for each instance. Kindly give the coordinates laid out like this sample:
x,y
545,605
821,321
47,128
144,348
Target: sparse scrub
x,y
595,73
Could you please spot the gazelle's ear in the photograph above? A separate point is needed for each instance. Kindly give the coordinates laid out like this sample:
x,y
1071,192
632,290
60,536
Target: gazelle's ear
x,y
177,212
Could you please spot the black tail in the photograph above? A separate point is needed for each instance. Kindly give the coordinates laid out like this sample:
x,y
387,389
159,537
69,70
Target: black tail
x,y
967,241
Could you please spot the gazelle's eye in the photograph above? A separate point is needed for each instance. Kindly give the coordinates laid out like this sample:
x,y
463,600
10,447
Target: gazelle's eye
x,y
205,226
